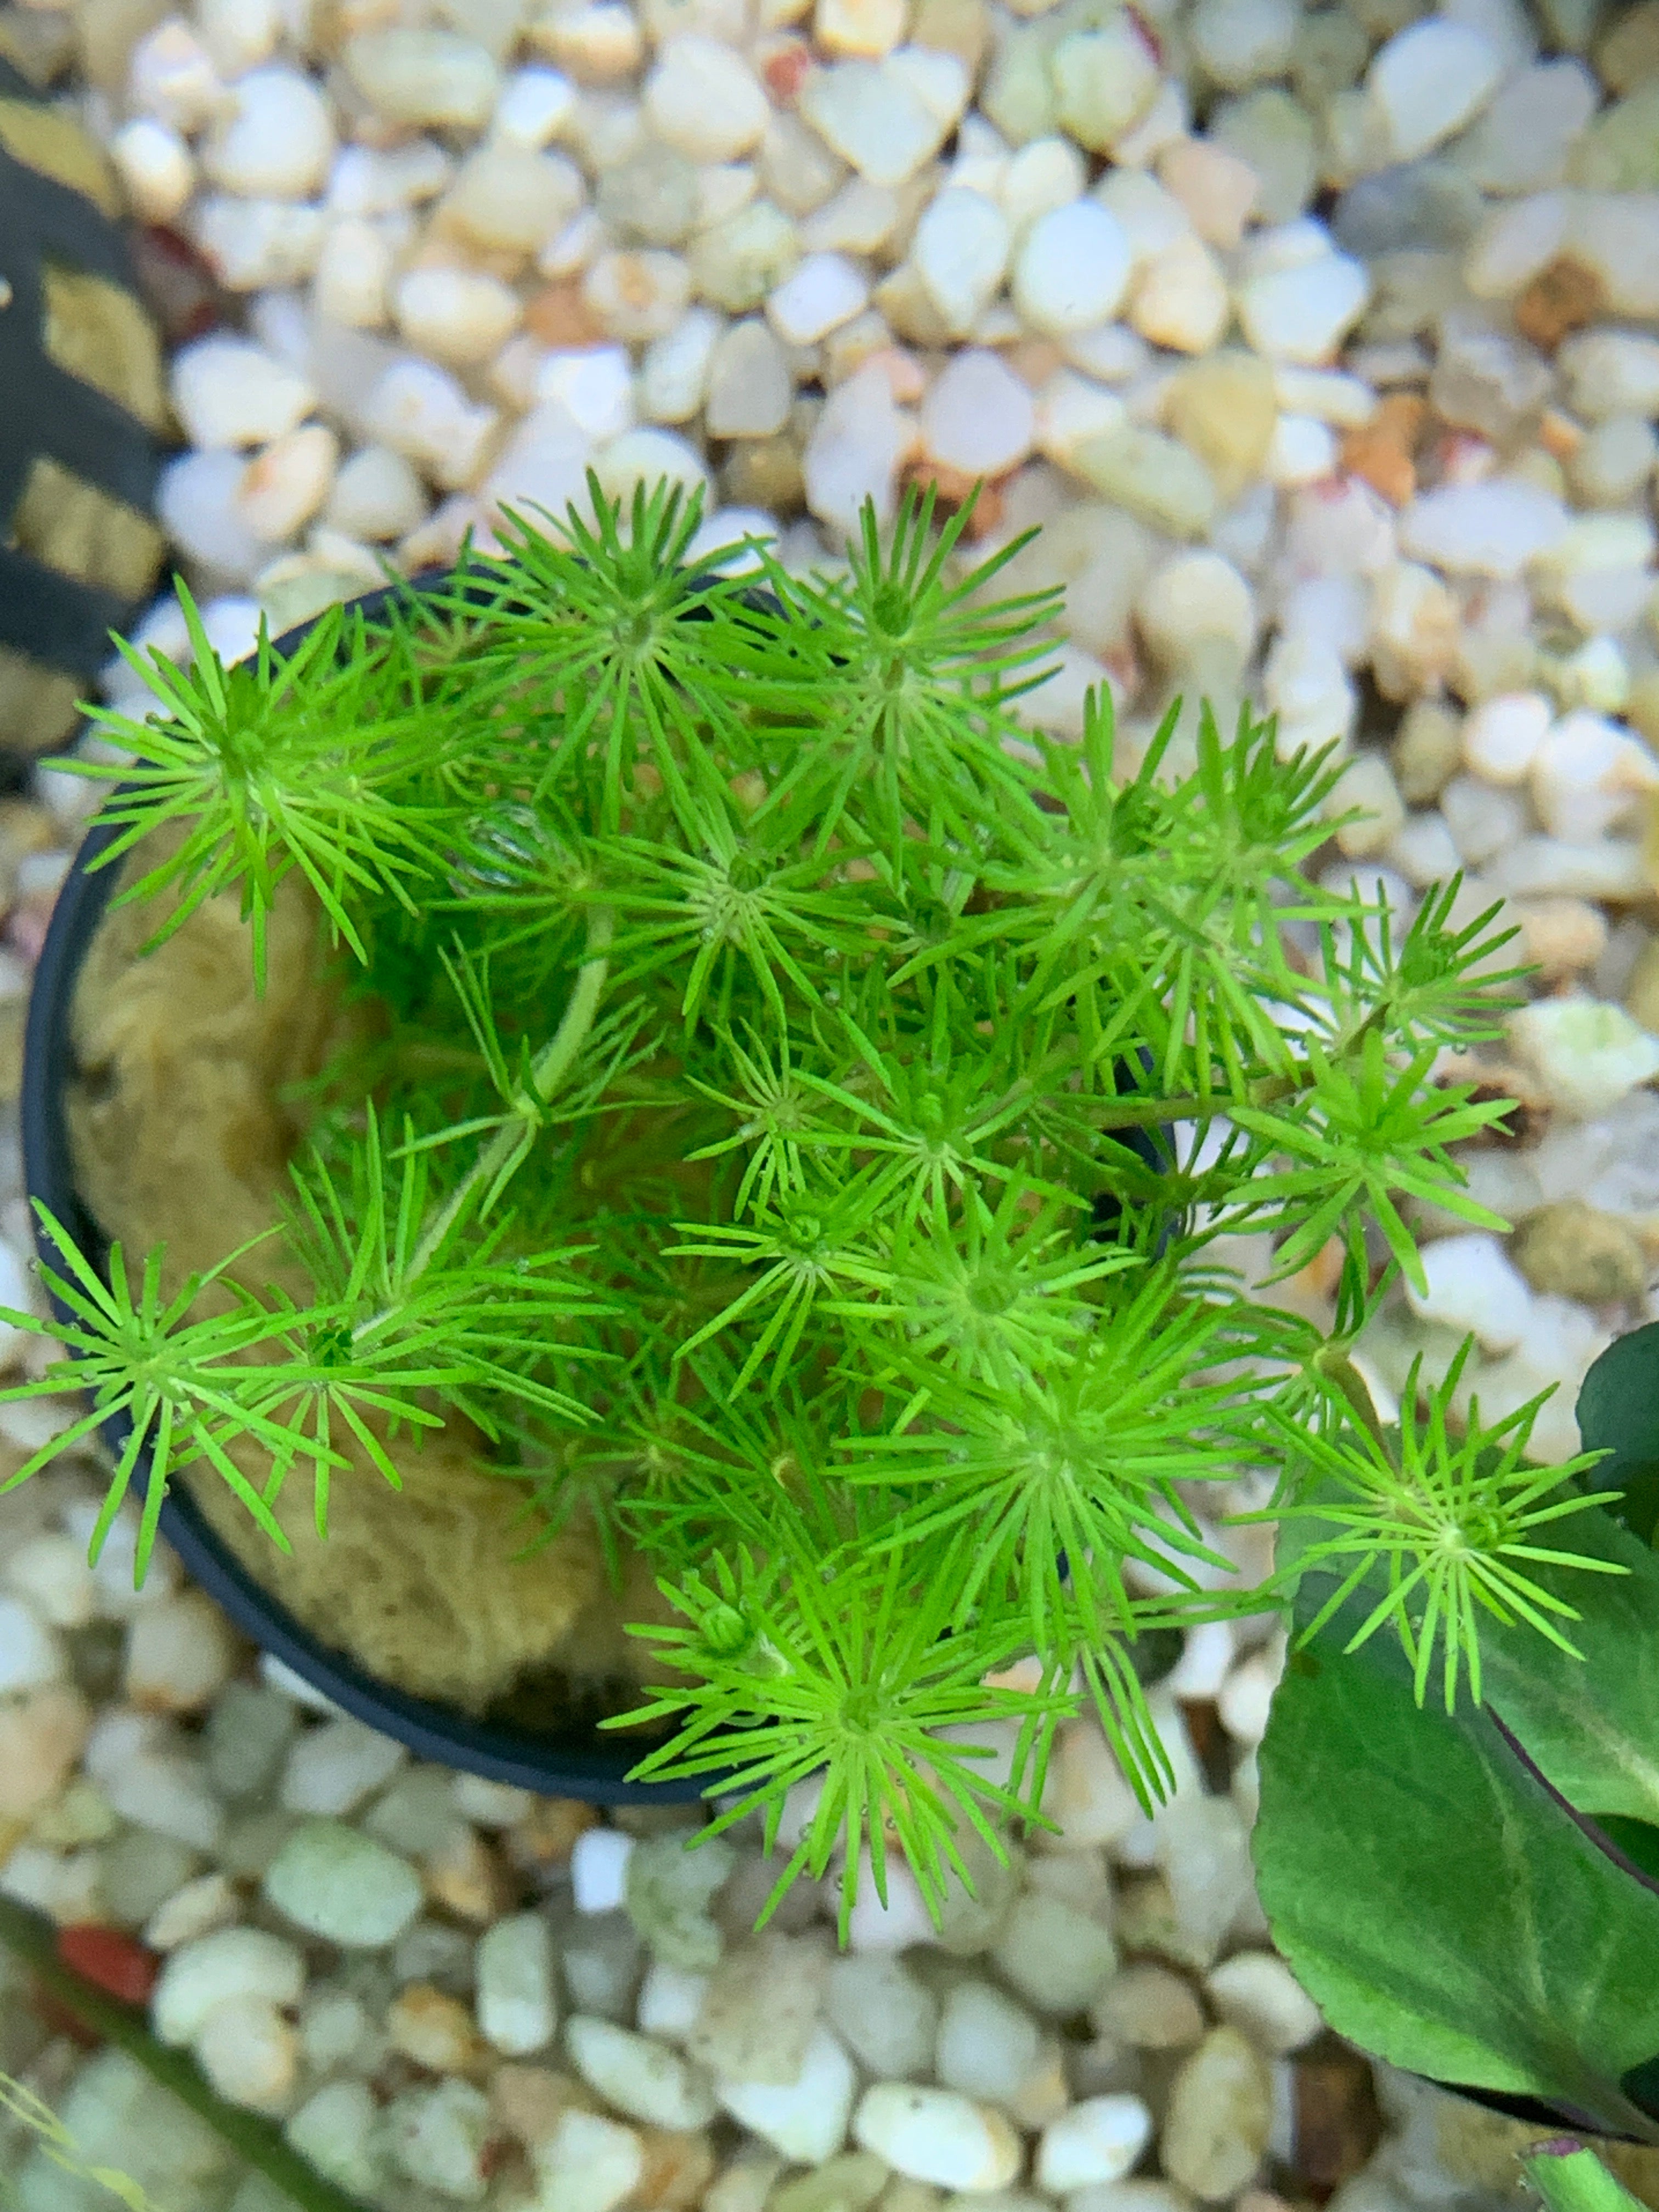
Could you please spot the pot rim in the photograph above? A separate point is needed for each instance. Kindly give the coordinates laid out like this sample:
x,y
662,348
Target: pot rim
x,y
579,1762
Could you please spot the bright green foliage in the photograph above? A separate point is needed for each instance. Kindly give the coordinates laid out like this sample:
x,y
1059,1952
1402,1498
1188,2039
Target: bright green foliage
x,y
798,1112
1449,1512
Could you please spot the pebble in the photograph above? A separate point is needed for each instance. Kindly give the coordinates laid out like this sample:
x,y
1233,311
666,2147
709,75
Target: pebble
x,y
589,2164
1428,80
1056,1957
1105,80
883,2013
227,392
32,1654
172,79
1501,738
376,496
1191,603
886,117
1072,268
1587,1054
534,105
247,1733
1485,380
433,2028
854,449
229,1963
960,251
1243,42
595,387
155,166
336,1883
978,417
750,389
1572,1250
457,316
1215,2125
422,413
1217,191
239,35
1151,2007
669,1894
203,1904
636,297
164,1789
641,2077
824,291
893,1925
673,379
1588,773
704,100
439,2136
423,77
353,280
597,44
987,2045
515,2000
936,2135
337,2130
1223,409
598,1869
1490,529
1099,2139
1473,1286
333,1768
512,199
1246,1696
249,2053
282,486
49,1573
277,140
805,2120
1612,460
467,1877
1158,478
436,1951
671,2001
755,2021
1610,372
543,466
140,1871
1300,313
1181,298
1257,1992
1203,1847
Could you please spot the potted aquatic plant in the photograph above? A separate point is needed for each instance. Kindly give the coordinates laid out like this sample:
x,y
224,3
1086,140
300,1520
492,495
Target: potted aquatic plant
x,y
607,1076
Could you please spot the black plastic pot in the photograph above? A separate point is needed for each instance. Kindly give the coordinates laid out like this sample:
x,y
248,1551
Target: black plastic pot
x,y
578,1762
81,370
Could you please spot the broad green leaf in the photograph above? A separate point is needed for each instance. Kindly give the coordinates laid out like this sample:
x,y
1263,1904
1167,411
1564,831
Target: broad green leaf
x,y
1618,1412
1592,1724
1441,1907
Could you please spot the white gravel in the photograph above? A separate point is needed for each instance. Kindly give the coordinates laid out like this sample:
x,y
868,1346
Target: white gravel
x,y
1322,344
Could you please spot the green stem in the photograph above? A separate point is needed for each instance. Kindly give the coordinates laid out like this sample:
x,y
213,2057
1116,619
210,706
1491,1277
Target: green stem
x,y
551,1068
1136,1113
1333,1362
1570,2177
33,1938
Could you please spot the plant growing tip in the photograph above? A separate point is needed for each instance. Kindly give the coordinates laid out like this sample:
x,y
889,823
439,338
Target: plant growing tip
x,y
789,1120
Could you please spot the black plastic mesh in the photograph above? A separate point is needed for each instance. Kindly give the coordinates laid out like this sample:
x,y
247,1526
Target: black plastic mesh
x,y
56,619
